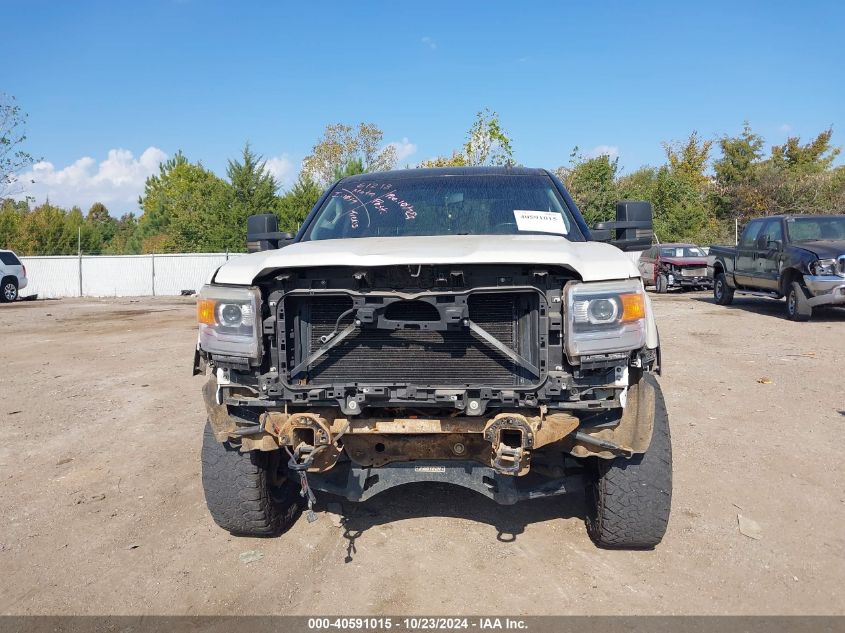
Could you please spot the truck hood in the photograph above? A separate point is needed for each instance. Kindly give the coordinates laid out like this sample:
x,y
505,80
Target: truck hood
x,y
684,261
592,261
823,249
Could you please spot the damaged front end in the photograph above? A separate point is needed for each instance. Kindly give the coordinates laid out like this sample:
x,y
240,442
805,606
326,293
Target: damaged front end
x,y
502,379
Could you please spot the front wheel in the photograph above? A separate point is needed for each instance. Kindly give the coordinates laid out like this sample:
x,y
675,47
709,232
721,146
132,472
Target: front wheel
x,y
797,308
246,493
662,284
630,500
723,294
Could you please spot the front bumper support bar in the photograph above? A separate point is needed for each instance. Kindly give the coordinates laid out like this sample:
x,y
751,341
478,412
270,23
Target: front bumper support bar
x,y
358,483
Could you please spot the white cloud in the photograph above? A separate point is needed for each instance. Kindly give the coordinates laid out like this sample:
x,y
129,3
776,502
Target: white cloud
x,y
428,41
403,148
604,150
116,182
282,169
785,127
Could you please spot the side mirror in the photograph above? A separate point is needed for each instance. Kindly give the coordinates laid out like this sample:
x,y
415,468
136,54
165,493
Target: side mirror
x,y
633,226
775,245
262,233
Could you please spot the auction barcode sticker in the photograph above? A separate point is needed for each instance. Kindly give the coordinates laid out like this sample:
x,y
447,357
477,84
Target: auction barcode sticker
x,y
539,221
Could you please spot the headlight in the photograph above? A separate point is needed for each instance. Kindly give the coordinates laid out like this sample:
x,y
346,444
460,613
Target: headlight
x,y
604,317
228,320
824,267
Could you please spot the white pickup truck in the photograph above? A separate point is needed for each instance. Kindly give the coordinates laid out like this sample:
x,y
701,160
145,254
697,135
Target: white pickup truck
x,y
447,325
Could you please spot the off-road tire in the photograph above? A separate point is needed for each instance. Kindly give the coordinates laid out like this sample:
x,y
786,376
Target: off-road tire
x,y
239,493
629,502
661,284
797,308
723,294
8,290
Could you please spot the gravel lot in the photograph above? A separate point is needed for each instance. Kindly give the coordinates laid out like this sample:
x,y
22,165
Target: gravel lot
x,y
102,509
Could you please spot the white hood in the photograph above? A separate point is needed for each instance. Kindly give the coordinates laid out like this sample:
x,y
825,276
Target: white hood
x,y
593,261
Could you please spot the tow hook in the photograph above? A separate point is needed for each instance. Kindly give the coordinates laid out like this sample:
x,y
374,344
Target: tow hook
x,y
506,455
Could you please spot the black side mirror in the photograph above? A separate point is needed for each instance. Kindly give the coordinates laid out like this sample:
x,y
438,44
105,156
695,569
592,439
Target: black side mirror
x,y
262,233
775,245
633,226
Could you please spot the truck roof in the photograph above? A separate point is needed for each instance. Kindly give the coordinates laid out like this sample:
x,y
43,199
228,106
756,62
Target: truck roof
x,y
789,216
433,172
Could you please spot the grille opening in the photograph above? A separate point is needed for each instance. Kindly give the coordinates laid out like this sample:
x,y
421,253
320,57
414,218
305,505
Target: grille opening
x,y
510,438
412,311
422,356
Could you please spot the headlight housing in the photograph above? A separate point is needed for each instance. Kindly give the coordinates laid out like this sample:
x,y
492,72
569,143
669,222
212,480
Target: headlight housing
x,y
605,317
229,320
824,267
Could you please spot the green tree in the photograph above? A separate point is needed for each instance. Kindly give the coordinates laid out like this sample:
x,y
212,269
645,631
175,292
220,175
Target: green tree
x,y
294,205
42,231
12,217
487,143
592,182
126,240
688,159
740,155
98,217
187,208
13,158
810,158
341,144
353,167
253,187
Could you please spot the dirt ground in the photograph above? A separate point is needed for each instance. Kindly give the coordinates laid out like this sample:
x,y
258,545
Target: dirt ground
x,y
102,511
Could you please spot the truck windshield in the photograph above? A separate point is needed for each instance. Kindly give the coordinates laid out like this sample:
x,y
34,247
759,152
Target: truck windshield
x,y
681,251
816,228
443,205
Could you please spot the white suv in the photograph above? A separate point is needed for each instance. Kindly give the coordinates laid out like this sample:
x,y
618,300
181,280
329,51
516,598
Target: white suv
x,y
12,276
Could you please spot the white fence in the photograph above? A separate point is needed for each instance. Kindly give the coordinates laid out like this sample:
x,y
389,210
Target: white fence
x,y
125,275
119,275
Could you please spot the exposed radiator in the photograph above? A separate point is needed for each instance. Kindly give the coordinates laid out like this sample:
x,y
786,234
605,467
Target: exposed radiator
x,y
421,357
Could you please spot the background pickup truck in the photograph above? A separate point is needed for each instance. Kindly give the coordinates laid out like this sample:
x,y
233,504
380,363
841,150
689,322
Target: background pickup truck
x,y
799,257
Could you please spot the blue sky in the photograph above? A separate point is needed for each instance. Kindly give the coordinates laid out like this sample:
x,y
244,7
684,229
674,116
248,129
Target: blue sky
x,y
150,78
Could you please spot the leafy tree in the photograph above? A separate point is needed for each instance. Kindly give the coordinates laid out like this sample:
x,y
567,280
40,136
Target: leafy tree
x,y
297,203
811,158
457,159
187,208
99,218
688,159
341,144
353,167
154,201
740,155
592,182
486,144
13,159
125,240
12,217
253,187
42,230
78,234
